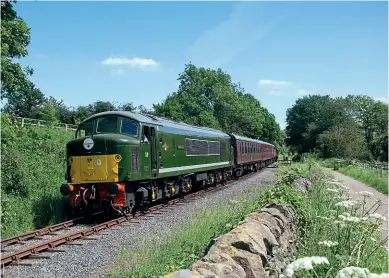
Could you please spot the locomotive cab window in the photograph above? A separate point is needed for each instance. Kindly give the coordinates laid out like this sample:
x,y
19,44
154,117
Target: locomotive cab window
x,y
146,134
129,127
85,129
107,125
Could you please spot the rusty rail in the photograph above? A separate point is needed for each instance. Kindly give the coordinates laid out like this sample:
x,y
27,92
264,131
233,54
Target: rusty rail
x,y
49,245
41,232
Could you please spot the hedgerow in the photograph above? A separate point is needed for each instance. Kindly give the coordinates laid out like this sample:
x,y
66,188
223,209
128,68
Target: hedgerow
x,y
32,169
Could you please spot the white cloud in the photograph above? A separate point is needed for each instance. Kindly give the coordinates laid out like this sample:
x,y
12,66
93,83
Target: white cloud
x,y
383,99
136,62
304,93
267,82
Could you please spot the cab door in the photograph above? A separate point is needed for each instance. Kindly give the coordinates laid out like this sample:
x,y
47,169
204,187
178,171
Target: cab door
x,y
145,153
148,152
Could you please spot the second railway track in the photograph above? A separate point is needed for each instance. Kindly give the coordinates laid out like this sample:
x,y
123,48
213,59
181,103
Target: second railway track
x,y
71,231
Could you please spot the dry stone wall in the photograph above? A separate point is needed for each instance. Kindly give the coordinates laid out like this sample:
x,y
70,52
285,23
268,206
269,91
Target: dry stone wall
x,y
260,246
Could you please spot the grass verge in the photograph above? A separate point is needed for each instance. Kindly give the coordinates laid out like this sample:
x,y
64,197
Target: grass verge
x,y
328,225
343,231
370,177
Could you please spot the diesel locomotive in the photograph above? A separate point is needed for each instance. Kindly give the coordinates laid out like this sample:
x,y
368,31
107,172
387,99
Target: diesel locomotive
x,y
120,161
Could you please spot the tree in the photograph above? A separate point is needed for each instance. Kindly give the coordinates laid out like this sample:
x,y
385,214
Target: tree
x,y
344,140
208,97
309,117
127,106
339,126
21,94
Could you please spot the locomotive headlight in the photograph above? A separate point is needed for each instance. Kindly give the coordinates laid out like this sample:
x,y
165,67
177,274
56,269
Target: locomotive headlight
x,y
66,189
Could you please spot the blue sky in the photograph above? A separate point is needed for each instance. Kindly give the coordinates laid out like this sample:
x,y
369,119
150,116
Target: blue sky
x,y
279,51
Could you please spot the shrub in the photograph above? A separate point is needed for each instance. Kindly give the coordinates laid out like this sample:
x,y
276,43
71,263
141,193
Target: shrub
x,y
32,170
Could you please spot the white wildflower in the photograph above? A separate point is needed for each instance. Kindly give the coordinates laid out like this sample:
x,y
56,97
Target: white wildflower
x,y
332,211
322,217
341,223
353,271
366,194
328,243
373,239
377,216
303,264
233,201
332,190
346,204
347,218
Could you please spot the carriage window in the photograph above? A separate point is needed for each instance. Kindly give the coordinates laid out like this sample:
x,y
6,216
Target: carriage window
x,y
129,127
107,125
85,129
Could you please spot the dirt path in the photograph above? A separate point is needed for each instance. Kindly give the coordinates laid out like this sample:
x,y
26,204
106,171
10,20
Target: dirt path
x,y
357,186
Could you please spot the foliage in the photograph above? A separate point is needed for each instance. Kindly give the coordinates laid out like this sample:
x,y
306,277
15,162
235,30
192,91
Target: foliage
x,y
344,141
21,94
341,233
353,126
208,97
287,175
32,169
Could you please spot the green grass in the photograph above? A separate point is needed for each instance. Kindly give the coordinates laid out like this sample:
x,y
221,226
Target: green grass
x,y
359,243
32,170
367,176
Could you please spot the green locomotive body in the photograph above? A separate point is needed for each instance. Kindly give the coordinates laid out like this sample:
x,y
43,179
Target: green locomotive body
x,y
120,160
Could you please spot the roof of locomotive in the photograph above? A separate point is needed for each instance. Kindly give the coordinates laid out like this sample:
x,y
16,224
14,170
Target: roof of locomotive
x,y
243,138
163,122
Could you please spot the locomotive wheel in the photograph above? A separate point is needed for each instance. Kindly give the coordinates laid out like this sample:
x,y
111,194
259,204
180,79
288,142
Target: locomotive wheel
x,y
144,207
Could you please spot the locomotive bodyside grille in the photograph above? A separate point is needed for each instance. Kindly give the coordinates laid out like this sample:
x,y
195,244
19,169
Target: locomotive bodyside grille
x,y
223,154
135,162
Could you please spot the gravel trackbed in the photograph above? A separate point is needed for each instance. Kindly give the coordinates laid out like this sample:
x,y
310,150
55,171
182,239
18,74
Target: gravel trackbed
x,y
95,257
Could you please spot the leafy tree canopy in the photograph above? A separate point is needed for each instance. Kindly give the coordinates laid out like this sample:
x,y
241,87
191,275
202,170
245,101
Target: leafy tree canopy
x,y
355,126
208,97
21,94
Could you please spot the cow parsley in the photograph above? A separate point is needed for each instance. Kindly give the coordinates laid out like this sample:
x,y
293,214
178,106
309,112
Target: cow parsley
x,y
346,204
328,243
332,190
377,216
353,271
303,264
366,194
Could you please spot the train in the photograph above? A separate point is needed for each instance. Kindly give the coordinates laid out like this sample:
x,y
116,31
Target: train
x,y
120,162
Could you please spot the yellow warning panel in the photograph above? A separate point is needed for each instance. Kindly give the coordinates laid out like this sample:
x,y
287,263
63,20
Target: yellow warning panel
x,y
94,168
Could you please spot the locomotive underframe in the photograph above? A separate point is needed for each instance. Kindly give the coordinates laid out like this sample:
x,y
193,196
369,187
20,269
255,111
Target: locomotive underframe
x,y
139,196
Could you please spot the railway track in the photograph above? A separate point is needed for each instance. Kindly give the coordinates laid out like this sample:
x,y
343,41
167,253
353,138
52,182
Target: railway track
x,y
15,257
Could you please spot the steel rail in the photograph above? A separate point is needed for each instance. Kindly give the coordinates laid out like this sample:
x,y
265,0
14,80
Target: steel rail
x,y
41,232
16,256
